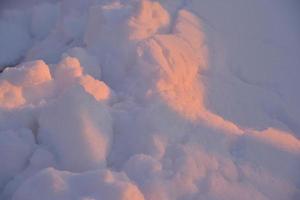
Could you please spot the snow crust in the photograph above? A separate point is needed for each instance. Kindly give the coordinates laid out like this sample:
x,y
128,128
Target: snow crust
x,y
142,99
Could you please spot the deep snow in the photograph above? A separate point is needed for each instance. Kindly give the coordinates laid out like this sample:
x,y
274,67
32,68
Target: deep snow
x,y
154,100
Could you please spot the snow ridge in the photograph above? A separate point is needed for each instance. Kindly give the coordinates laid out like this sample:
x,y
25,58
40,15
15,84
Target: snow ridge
x,y
110,102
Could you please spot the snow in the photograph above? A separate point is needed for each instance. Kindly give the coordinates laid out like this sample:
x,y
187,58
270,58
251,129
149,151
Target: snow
x,y
16,147
144,99
53,184
89,63
256,37
14,38
89,129
24,84
44,18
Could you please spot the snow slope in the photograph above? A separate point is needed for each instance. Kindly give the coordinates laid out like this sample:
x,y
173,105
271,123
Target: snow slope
x,y
142,99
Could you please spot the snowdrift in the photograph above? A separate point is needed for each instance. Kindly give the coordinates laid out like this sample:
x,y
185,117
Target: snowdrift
x,y
142,99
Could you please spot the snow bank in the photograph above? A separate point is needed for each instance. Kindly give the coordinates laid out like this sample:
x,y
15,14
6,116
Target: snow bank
x,y
120,26
137,99
50,102
78,130
14,37
44,18
88,62
181,56
101,184
25,84
254,61
15,149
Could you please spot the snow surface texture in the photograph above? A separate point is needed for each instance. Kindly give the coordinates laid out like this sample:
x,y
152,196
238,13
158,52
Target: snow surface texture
x,y
154,100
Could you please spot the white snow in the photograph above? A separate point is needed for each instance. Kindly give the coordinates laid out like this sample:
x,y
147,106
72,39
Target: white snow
x,y
78,130
145,99
16,148
14,37
99,184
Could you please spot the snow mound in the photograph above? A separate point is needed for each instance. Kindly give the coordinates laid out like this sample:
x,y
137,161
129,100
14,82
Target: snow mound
x,y
99,90
88,62
180,60
78,130
44,17
14,38
101,184
25,84
15,149
137,99
11,96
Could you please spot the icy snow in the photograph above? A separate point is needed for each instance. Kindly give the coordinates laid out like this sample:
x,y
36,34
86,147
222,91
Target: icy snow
x,y
154,100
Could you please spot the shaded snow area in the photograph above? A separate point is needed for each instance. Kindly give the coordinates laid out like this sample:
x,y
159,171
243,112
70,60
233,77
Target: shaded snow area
x,y
149,100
